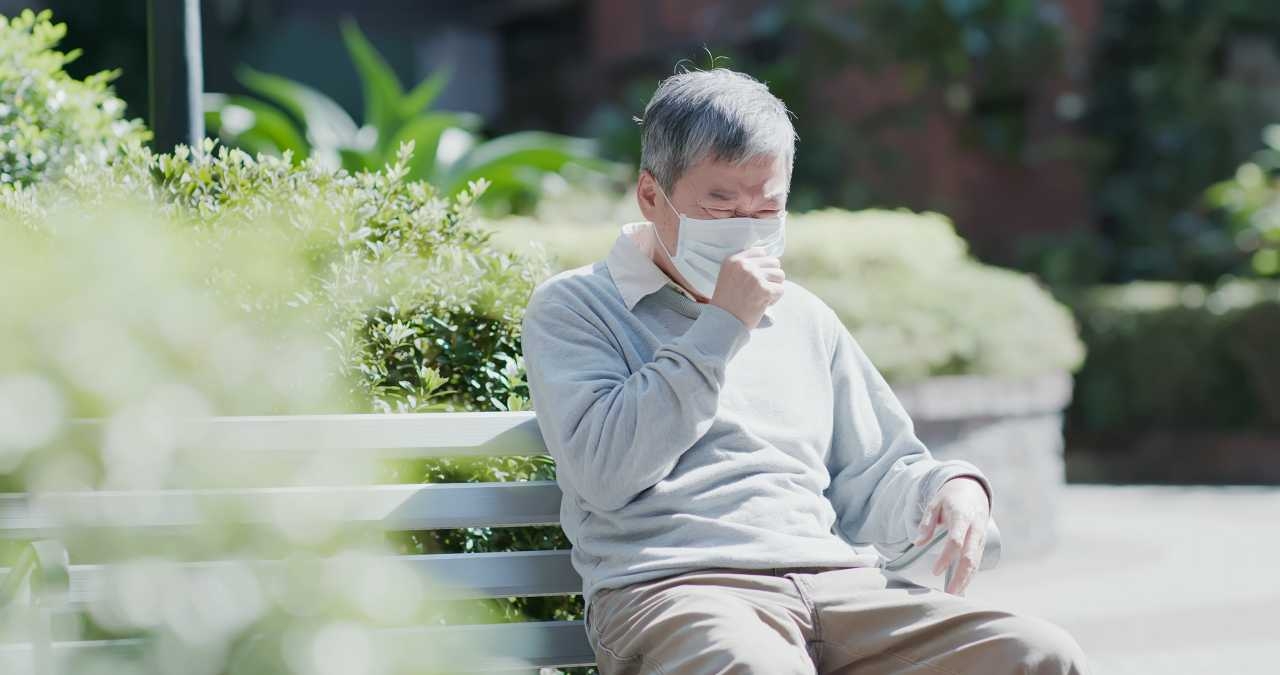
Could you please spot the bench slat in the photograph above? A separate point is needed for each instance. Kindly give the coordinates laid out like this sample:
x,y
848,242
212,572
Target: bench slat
x,y
403,435
503,647
388,507
460,575
479,648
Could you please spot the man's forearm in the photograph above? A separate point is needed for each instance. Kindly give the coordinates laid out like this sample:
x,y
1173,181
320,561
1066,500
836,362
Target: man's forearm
x,y
615,433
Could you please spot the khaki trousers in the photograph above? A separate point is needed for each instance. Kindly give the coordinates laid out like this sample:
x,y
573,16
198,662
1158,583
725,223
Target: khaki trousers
x,y
785,621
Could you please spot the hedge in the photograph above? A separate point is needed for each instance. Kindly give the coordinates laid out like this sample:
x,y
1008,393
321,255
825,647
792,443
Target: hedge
x,y
1178,356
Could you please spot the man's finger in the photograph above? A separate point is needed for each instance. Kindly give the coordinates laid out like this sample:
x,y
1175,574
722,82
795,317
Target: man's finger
x,y
970,561
928,524
957,529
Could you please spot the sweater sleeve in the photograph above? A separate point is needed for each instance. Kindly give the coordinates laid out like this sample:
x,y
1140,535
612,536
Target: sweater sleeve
x,y
882,476
613,432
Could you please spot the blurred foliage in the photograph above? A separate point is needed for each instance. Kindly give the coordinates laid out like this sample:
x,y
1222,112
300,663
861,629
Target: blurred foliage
x,y
436,307
903,283
980,61
1175,107
111,308
448,150
988,57
107,306
47,117
1179,356
416,310
1251,201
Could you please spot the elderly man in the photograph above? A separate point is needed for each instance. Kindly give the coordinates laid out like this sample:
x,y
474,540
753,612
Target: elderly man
x,y
730,458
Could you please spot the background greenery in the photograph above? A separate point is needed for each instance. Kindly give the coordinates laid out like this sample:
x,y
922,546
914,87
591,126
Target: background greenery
x,y
1250,200
1180,356
448,150
1171,119
985,56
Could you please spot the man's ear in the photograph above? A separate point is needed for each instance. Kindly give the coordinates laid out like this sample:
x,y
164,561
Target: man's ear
x,y
647,196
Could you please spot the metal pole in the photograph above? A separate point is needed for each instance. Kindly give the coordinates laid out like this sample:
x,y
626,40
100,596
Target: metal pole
x,y
176,73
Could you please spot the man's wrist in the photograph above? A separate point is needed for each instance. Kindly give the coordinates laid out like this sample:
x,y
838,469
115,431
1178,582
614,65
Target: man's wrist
x,y
981,484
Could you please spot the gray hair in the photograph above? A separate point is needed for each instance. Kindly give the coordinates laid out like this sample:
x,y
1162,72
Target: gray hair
x,y
719,114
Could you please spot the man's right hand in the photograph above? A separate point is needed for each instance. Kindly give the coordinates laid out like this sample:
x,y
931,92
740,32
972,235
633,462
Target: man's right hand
x,y
749,281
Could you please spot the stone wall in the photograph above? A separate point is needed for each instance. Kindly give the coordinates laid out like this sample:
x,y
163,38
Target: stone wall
x,y
1012,430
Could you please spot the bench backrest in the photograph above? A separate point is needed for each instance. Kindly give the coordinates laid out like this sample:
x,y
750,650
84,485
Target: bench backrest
x,y
527,645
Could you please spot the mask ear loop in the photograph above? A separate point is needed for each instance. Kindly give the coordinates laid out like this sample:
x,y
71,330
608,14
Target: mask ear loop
x,y
664,196
679,218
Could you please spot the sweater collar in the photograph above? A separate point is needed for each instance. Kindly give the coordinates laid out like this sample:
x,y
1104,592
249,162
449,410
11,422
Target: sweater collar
x,y
631,265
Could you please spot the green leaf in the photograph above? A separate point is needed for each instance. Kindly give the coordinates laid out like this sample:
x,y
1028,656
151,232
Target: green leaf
x,y
355,161
496,159
529,148
423,95
382,90
506,183
268,130
328,125
425,132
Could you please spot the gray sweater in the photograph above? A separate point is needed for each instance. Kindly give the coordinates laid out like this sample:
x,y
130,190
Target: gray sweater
x,y
684,441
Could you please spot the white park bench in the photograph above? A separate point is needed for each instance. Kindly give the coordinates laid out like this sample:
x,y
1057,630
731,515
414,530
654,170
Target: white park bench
x,y
47,584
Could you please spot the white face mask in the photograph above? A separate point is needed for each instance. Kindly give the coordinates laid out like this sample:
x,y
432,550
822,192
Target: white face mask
x,y
702,244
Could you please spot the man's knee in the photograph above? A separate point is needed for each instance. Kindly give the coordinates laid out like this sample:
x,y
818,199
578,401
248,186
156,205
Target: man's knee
x,y
688,633
1043,648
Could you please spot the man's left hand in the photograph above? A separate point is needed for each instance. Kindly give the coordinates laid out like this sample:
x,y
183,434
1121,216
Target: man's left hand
x,y
961,506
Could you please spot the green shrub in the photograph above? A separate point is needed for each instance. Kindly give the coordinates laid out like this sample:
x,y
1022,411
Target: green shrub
x,y
422,312
48,118
902,282
1178,355
1251,201
438,308
106,312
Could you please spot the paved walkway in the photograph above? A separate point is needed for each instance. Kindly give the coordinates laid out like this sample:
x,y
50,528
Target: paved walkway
x,y
1166,580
